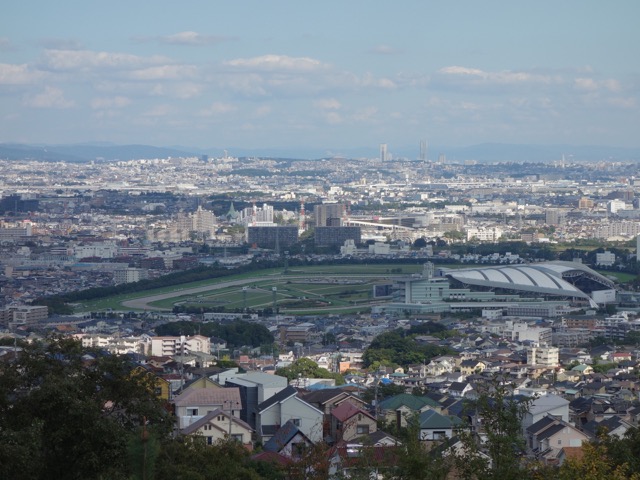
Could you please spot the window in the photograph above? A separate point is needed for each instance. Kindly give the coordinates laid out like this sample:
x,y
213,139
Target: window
x,y
237,437
362,429
192,411
209,440
295,421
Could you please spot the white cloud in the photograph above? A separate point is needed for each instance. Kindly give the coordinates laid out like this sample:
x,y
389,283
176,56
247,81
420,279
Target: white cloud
x,y
165,72
11,74
110,102
328,104
191,38
620,102
218,108
502,77
333,118
278,63
87,59
52,97
587,84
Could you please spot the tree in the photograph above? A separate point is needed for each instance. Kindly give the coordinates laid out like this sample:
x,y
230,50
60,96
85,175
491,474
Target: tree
x,y
595,464
307,368
415,461
499,413
192,459
67,415
420,243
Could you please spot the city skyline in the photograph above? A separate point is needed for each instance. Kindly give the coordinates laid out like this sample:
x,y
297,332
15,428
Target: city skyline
x,y
332,75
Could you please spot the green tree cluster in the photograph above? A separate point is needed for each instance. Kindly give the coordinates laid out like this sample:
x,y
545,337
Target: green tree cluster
x,y
307,368
399,347
64,414
237,333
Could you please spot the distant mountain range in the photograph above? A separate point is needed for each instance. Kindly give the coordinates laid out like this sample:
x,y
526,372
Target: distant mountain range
x,y
486,152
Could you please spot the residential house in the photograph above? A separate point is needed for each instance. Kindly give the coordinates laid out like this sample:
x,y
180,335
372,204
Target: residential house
x,y
161,387
218,425
289,441
194,403
540,407
613,427
469,367
459,389
399,408
434,426
349,422
327,399
284,406
546,438
255,388
440,366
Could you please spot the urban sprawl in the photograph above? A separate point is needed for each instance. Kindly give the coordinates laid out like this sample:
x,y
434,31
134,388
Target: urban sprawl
x,y
530,268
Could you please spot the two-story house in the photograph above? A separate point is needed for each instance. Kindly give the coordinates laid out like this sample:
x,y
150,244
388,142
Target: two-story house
x,y
219,425
349,422
284,406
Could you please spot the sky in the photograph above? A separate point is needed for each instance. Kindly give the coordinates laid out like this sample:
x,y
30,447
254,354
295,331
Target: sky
x,y
330,75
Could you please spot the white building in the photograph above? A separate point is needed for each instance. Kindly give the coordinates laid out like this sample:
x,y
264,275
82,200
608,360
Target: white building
x,y
491,234
606,259
543,356
615,205
172,346
99,250
521,332
129,275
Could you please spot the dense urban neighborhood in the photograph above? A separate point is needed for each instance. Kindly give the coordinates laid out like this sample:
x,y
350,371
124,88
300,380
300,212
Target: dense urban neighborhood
x,y
336,318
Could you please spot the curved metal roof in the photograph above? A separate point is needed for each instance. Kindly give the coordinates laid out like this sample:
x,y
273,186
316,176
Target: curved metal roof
x,y
544,278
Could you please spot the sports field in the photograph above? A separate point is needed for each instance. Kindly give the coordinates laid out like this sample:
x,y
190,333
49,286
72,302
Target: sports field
x,y
300,290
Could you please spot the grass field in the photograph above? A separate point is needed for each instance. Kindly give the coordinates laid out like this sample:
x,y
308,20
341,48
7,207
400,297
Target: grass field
x,y
298,290
622,277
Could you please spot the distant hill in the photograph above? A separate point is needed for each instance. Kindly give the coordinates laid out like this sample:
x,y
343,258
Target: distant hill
x,y
87,152
484,153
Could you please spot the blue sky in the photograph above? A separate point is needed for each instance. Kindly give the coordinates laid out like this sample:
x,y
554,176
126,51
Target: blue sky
x,y
331,75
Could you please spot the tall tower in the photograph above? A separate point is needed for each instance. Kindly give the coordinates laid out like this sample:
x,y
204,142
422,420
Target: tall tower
x,y
302,220
383,152
423,150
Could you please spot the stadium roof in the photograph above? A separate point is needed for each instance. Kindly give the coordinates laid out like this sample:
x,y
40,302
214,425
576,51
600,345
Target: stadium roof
x,y
543,278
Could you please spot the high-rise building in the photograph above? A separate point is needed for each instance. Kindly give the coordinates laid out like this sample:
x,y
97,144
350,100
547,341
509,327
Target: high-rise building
x,y
277,236
585,203
325,236
384,154
553,216
328,214
204,221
